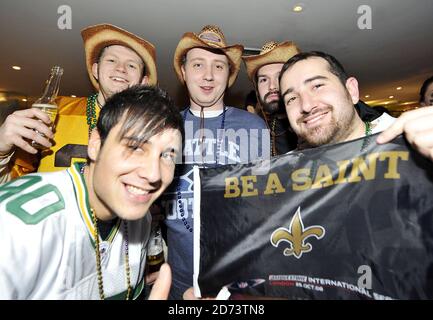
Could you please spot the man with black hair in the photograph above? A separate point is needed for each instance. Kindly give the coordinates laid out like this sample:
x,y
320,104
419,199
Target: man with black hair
x,y
319,99
81,233
263,70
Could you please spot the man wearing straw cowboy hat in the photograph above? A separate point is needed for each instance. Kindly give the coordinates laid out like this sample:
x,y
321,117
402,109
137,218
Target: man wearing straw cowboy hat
x,y
215,134
263,70
116,59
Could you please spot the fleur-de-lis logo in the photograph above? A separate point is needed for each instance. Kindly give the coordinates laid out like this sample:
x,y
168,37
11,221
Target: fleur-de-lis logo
x,y
296,236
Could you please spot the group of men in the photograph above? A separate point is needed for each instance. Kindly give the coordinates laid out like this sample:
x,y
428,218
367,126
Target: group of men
x,y
87,227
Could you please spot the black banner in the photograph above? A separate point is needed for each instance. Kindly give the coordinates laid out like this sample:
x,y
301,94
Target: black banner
x,y
349,221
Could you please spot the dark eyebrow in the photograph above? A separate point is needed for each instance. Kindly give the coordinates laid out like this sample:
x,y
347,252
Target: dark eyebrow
x,y
290,90
172,149
134,140
138,142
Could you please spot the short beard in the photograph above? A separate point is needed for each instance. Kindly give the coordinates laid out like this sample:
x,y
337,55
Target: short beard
x,y
332,133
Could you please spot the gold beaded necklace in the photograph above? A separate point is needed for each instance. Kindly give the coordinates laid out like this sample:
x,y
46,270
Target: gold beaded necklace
x,y
272,131
98,259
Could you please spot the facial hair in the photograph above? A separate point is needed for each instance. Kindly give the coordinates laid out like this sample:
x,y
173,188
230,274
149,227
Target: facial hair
x,y
272,107
336,130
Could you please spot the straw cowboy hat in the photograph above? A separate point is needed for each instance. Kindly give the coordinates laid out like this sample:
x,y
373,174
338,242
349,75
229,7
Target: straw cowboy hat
x,y
100,36
209,37
271,52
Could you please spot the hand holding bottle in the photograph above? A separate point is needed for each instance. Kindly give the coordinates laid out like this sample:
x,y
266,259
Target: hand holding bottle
x,y
22,127
47,103
32,128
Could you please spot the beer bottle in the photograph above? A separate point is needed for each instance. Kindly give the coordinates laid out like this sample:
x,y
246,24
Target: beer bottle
x,y
47,102
155,249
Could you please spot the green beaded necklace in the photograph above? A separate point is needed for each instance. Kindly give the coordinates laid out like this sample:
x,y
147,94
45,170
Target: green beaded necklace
x,y
367,128
367,139
91,111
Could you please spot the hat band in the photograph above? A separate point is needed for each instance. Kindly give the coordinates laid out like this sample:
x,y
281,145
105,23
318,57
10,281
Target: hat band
x,y
211,37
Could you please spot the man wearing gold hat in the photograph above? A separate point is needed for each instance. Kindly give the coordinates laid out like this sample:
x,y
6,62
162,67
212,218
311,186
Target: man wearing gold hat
x,y
215,134
116,59
263,70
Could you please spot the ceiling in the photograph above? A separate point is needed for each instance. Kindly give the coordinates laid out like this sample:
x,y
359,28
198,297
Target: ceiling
x,y
396,51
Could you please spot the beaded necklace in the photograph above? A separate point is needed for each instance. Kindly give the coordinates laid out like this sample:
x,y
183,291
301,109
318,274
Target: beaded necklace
x,y
367,134
272,131
98,259
367,128
273,138
179,194
98,255
91,111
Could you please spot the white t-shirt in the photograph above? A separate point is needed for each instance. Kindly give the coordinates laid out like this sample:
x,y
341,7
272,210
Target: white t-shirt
x,y
382,123
47,249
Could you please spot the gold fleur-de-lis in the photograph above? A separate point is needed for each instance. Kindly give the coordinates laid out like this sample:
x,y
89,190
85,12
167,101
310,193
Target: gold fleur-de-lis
x,y
296,236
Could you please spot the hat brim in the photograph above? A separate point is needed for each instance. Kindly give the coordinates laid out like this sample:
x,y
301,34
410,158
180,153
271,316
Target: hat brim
x,y
190,41
280,54
100,36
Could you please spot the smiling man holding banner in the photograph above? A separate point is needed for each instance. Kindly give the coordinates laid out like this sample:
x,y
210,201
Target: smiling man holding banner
x,y
345,217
